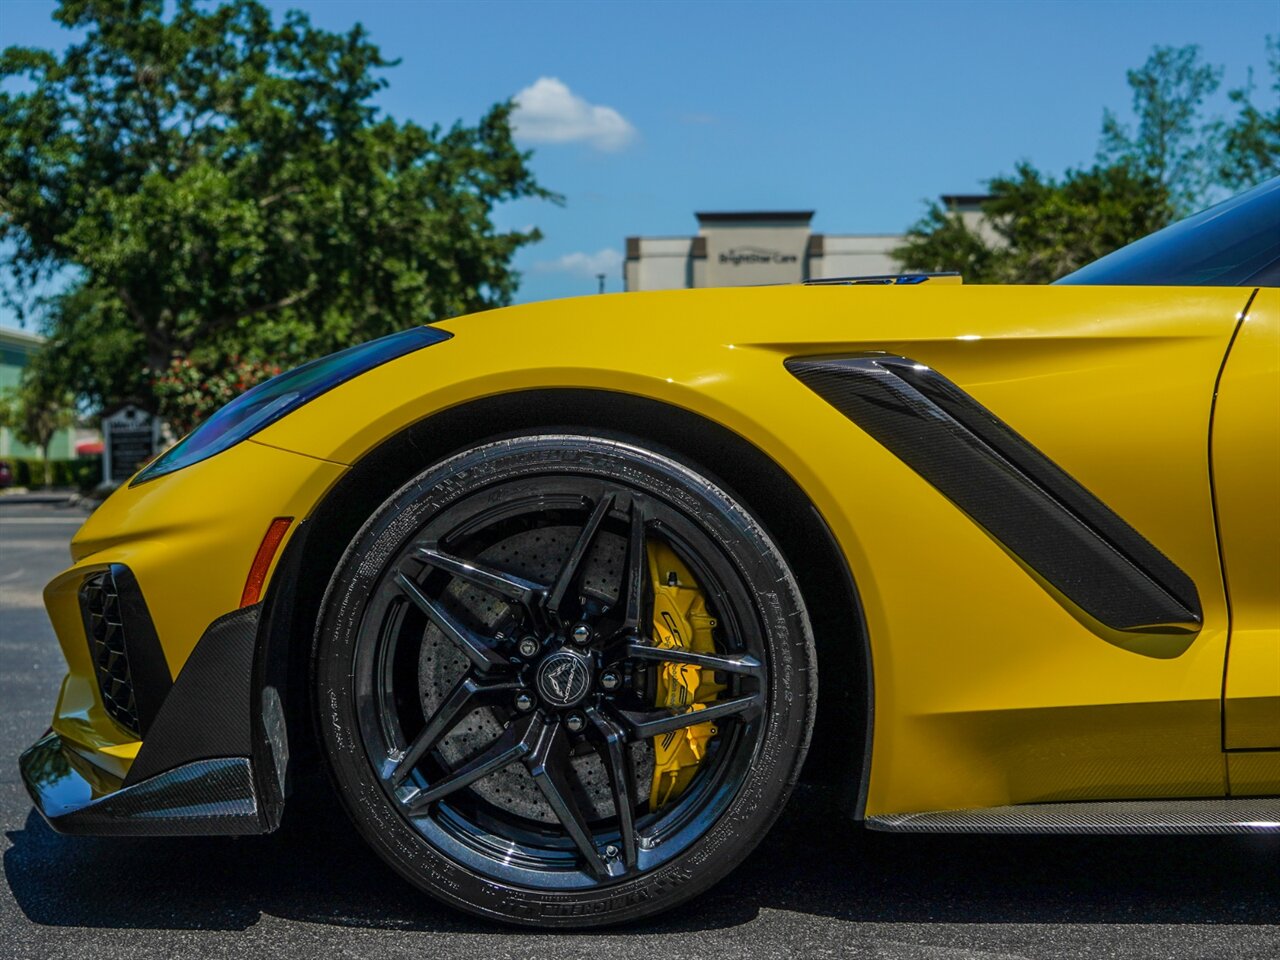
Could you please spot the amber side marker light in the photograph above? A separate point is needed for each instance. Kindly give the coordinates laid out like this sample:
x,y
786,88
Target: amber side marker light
x,y
262,560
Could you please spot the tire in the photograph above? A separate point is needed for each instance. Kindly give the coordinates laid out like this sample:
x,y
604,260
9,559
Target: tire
x,y
425,672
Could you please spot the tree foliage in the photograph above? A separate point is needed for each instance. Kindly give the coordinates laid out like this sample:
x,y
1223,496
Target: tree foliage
x,y
1170,141
222,184
1036,229
1250,144
93,349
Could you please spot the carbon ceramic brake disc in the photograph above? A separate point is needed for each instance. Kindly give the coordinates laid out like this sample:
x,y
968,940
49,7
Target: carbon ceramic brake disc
x,y
535,555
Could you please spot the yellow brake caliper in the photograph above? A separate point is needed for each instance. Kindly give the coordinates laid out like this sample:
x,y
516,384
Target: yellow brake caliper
x,y
680,621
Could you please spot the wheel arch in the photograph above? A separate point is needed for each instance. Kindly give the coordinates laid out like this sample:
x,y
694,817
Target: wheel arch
x,y
839,753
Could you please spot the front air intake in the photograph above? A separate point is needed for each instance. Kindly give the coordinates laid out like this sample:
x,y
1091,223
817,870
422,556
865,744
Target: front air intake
x,y
100,602
132,675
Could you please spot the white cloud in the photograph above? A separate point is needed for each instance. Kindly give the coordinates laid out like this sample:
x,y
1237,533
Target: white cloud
x,y
606,261
549,112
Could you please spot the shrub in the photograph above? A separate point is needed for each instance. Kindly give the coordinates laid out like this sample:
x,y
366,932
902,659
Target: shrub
x,y
83,473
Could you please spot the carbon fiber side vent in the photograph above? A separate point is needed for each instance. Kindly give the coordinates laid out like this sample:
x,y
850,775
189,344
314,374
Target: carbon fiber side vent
x,y
1056,527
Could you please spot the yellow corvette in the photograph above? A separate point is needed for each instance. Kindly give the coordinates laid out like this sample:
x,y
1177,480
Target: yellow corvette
x,y
563,595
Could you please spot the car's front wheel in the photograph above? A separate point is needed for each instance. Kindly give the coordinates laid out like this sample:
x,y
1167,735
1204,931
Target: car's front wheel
x,y
564,681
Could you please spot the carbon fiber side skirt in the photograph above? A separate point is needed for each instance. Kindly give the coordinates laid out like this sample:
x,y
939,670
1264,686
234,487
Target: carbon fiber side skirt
x,y
1087,555
1237,815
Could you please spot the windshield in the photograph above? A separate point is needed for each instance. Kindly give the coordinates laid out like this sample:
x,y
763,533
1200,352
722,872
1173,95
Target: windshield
x,y
1236,243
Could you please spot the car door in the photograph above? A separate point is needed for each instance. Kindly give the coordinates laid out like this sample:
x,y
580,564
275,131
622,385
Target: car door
x,y
1245,450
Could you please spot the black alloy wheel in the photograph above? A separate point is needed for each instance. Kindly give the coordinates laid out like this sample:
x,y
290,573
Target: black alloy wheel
x,y
486,672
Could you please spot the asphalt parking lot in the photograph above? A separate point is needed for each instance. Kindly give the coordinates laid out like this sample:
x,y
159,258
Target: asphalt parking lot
x,y
818,886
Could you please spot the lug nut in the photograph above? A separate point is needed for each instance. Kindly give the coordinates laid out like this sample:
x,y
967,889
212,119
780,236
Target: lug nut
x,y
610,680
576,722
524,702
581,633
529,647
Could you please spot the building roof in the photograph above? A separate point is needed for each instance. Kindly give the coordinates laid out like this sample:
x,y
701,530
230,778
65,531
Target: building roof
x,y
19,338
755,216
953,200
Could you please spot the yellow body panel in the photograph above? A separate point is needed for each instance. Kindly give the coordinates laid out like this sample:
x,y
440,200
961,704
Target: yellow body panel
x,y
1246,463
987,691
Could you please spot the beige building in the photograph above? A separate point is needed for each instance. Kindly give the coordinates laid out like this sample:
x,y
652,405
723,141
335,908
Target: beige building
x,y
753,247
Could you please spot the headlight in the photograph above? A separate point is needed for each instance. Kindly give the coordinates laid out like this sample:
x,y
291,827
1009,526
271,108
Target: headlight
x,y
278,397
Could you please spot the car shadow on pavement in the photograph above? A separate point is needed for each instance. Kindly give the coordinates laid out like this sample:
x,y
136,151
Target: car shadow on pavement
x,y
315,869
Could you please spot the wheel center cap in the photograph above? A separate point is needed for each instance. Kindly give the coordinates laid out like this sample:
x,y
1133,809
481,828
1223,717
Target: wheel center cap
x,y
564,678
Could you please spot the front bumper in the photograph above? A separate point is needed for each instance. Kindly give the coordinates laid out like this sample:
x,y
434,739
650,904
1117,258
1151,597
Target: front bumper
x,y
195,756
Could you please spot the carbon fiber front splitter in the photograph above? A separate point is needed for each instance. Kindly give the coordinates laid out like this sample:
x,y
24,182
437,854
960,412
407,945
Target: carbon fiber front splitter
x,y
205,797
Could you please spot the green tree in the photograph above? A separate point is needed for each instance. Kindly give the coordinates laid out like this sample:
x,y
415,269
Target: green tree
x,y
942,241
1036,229
1251,143
93,349
1170,142
35,413
222,184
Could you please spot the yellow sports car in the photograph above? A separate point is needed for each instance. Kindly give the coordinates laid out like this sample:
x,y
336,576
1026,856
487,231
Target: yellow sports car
x,y
563,596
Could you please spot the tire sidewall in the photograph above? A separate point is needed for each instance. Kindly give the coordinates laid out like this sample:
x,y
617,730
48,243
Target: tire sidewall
x,y
790,688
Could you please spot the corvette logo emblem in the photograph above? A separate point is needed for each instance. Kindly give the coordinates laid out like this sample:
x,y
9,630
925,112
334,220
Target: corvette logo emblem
x,y
564,678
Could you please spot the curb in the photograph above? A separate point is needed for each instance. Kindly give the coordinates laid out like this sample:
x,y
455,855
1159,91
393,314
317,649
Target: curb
x,y
52,497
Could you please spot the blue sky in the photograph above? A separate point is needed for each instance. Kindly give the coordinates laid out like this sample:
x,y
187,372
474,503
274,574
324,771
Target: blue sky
x,y
644,112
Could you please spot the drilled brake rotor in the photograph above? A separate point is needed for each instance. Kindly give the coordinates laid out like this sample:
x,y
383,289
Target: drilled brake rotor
x,y
537,555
